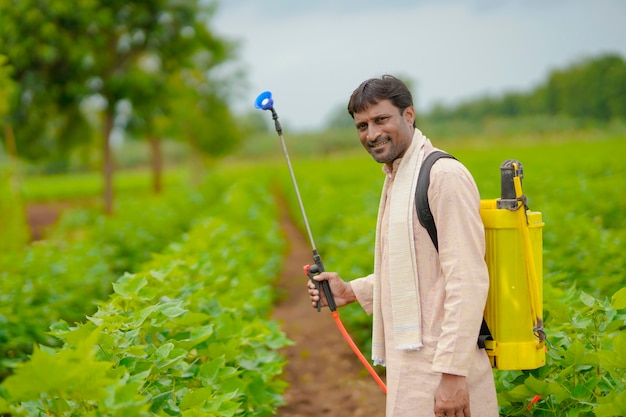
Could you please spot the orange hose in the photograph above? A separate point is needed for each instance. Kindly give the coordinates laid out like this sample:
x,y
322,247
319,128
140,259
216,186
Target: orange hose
x,y
357,352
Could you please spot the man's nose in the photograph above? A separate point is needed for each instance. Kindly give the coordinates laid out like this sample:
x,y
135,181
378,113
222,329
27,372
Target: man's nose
x,y
373,132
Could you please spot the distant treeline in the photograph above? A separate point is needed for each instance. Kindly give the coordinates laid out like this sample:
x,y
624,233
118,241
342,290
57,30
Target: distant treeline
x,y
593,89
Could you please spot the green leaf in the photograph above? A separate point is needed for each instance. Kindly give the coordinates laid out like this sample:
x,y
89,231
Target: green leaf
x,y
519,393
616,358
76,335
172,310
141,316
68,374
4,407
188,340
612,405
210,369
229,408
536,386
196,398
128,393
577,355
587,299
174,357
193,318
618,301
584,392
129,284
164,351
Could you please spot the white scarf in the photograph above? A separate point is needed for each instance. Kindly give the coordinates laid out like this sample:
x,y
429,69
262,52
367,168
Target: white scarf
x,y
403,279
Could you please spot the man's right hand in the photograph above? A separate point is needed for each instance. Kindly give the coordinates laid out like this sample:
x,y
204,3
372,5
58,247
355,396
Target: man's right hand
x,y
342,291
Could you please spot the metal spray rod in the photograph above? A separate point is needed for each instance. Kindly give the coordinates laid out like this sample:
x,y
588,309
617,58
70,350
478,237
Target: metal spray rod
x,y
265,102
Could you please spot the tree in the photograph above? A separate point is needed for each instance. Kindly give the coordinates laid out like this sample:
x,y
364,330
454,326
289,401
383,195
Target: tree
x,y
179,75
186,93
6,86
593,88
14,231
119,50
47,72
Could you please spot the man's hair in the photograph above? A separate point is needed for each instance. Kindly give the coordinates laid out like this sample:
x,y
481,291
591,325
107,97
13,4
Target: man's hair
x,y
375,90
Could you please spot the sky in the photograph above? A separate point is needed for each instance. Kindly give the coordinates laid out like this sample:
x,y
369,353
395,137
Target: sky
x,y
311,54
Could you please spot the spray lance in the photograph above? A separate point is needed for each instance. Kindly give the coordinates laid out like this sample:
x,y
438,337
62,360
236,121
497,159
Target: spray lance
x,y
265,102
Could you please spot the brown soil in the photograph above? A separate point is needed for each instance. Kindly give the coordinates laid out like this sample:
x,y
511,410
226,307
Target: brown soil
x,y
325,376
43,215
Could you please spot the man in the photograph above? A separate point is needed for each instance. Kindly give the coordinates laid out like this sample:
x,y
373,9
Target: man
x,y
427,306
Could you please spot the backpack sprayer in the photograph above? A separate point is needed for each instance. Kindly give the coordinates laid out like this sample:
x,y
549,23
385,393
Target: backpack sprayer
x,y
512,330
265,102
514,309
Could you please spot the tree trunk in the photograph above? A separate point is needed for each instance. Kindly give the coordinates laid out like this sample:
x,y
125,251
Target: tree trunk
x,y
157,164
107,165
23,233
197,165
11,147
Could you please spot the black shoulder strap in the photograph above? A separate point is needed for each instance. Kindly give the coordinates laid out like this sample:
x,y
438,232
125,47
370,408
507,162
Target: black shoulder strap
x,y
426,218
421,194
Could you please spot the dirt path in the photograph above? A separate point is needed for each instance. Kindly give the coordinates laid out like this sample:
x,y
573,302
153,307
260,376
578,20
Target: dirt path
x,y
326,377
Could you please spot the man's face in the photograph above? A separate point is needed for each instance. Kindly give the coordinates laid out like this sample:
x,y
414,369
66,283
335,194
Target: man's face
x,y
384,132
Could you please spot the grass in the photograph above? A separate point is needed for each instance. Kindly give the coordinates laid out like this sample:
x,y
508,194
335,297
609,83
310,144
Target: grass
x,y
84,185
487,143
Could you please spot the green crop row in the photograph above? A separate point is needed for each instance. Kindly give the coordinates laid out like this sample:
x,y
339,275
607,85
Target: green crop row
x,y
69,273
579,188
187,334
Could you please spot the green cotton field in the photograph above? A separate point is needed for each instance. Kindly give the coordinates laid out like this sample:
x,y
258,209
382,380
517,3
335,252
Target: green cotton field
x,y
163,308
579,188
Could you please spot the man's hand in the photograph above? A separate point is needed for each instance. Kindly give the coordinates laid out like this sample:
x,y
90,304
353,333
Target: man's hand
x,y
342,291
452,397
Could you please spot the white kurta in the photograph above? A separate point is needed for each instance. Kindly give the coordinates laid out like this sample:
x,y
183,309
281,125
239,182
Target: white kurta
x,y
453,288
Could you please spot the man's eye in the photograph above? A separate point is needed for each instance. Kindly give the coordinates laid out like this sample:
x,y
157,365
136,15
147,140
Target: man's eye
x,y
381,120
361,127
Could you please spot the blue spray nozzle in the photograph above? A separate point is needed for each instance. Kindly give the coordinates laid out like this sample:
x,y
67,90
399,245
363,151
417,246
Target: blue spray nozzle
x,y
264,101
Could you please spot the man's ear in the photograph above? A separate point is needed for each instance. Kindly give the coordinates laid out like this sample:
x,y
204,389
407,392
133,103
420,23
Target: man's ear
x,y
409,115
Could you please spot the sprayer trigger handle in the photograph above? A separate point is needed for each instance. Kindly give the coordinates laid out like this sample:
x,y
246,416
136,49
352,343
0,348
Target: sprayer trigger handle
x,y
310,274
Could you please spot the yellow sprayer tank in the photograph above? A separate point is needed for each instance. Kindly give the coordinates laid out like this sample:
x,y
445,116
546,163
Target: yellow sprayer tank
x,y
514,309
